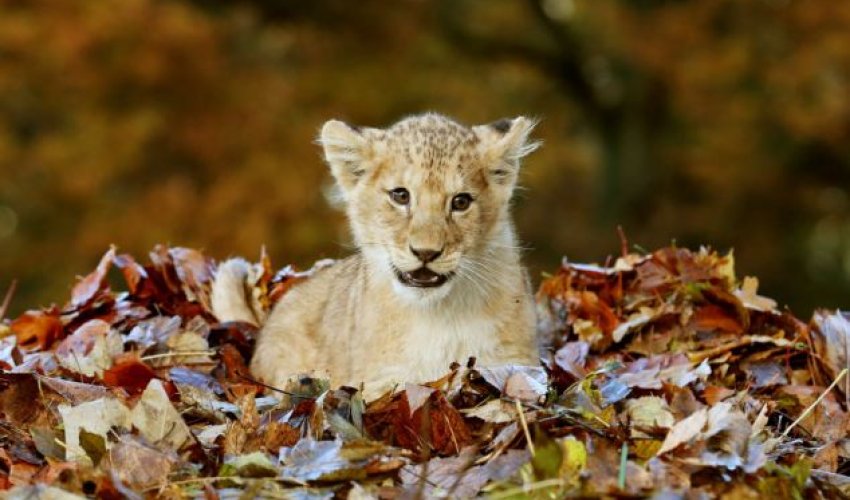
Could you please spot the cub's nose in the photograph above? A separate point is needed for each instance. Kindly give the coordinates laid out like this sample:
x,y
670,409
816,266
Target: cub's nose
x,y
426,255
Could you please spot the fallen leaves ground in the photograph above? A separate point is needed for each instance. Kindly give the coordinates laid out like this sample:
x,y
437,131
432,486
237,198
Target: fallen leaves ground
x,y
667,375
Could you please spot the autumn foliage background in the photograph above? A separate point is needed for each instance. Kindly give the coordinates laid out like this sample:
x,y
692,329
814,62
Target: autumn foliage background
x,y
701,121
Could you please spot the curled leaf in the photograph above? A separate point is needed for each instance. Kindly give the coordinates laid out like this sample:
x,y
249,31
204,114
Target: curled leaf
x,y
88,287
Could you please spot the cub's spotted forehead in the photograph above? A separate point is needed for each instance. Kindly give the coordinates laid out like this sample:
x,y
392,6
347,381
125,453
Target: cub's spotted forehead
x,y
431,127
430,141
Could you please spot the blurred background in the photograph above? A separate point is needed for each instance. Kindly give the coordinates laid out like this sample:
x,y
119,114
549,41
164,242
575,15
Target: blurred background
x,y
721,122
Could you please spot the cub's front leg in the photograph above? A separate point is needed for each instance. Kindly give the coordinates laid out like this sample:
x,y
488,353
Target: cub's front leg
x,y
287,346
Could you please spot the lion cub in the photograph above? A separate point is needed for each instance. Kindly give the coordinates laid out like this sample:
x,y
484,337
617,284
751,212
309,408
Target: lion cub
x,y
437,277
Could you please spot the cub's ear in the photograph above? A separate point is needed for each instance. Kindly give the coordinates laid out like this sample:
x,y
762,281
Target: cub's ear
x,y
345,151
503,144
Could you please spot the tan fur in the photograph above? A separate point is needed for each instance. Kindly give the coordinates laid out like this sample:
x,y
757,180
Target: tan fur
x,y
355,321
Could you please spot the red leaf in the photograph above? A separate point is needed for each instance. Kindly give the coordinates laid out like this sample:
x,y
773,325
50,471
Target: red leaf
x,y
435,426
130,373
388,419
448,431
163,264
236,372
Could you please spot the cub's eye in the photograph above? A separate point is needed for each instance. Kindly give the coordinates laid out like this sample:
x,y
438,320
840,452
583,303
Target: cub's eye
x,y
461,202
400,196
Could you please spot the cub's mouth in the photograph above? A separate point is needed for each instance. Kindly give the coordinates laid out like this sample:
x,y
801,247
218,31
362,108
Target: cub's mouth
x,y
422,278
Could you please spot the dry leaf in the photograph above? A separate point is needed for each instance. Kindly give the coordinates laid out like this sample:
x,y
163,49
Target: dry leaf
x,y
37,330
684,431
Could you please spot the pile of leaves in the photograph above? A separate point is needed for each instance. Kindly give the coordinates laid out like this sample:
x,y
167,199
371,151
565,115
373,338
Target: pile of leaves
x,y
665,375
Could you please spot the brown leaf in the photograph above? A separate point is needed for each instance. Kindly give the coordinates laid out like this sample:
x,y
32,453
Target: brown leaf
x,y
527,383
165,271
603,461
826,458
766,374
195,271
18,403
388,419
90,349
459,475
714,394
235,438
711,317
37,330
153,331
137,465
74,392
88,287
587,305
309,459
192,267
184,376
827,421
279,434
236,372
831,334
571,358
684,431
133,272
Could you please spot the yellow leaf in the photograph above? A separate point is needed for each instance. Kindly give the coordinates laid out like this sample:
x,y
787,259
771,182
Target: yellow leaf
x,y
574,460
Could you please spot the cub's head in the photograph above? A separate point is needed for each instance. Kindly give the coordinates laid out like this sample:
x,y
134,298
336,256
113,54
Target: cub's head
x,y
428,198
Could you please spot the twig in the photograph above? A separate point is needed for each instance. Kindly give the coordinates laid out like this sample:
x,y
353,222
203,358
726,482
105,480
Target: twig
x,y
814,355
465,470
846,366
172,354
817,402
451,432
8,299
524,425
423,477
275,389
624,242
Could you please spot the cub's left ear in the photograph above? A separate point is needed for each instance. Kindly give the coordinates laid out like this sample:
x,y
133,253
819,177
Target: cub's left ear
x,y
503,144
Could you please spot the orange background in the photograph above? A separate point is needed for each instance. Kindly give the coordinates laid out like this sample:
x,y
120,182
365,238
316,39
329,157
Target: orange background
x,y
192,123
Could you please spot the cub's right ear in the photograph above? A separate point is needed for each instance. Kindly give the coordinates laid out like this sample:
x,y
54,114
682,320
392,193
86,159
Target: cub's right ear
x,y
345,152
